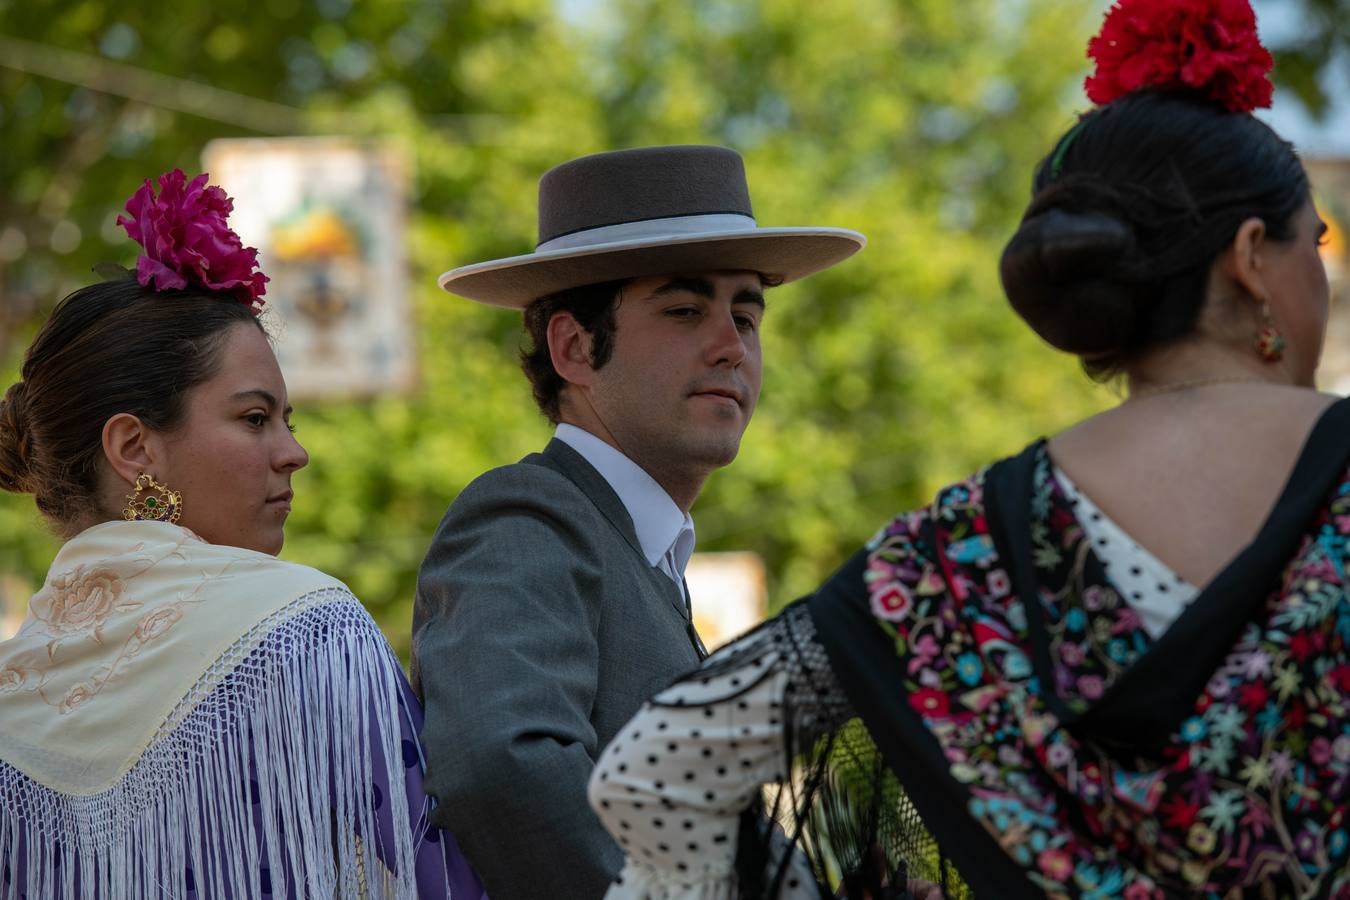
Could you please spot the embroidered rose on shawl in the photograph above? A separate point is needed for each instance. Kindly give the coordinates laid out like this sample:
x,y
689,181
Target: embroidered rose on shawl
x,y
82,600
1055,863
930,703
1091,686
1319,751
13,678
891,601
154,624
76,697
95,600
998,584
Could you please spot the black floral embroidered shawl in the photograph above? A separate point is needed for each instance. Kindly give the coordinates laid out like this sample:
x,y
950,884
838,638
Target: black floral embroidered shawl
x,y
1051,746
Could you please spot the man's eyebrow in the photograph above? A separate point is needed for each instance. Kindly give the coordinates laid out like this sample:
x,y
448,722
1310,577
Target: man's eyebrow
x,y
749,296
266,396
700,286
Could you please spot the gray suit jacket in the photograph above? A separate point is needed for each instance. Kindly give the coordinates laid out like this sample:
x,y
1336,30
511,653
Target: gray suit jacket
x,y
539,629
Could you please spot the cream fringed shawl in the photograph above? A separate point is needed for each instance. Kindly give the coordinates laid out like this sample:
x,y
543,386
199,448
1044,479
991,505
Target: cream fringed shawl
x,y
152,670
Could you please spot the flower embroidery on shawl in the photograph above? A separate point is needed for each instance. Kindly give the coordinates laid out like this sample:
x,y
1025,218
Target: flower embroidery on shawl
x,y
78,695
82,604
154,624
1250,791
81,600
149,628
14,678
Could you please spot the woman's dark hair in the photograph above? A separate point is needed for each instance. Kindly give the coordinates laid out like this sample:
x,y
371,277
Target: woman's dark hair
x,y
110,348
592,305
1129,213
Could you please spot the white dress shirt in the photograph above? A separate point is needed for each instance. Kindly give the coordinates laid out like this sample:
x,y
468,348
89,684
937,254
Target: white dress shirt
x,y
664,531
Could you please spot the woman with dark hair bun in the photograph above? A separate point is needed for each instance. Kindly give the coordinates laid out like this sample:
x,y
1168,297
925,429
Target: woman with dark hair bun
x,y
181,713
1130,213
1114,665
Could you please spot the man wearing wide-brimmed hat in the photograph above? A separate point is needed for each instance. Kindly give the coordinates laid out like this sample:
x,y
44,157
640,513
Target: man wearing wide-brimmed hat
x,y
552,601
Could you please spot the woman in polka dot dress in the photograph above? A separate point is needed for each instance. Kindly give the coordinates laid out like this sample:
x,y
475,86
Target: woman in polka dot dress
x,y
1114,665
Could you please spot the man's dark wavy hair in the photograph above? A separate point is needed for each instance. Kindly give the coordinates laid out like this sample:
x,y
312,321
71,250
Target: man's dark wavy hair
x,y
593,306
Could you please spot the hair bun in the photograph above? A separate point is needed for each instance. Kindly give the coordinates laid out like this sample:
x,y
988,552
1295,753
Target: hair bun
x,y
1058,274
16,445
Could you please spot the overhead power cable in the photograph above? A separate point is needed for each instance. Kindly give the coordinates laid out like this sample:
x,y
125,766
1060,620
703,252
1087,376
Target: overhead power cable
x,y
179,94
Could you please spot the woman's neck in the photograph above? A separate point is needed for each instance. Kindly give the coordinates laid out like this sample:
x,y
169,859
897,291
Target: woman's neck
x,y
1198,364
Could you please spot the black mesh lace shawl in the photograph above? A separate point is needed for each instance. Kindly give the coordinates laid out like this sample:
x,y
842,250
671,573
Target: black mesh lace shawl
x,y
840,804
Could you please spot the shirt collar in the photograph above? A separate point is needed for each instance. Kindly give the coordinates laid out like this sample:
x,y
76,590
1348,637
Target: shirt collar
x,y
661,526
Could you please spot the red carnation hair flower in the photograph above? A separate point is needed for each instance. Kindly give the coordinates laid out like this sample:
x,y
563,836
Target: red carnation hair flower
x,y
187,240
1209,46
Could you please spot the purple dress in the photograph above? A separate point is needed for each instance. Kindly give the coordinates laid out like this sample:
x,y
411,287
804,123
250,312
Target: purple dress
x,y
439,862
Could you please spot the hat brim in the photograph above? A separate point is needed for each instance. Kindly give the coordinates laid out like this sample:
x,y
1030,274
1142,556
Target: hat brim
x,y
782,254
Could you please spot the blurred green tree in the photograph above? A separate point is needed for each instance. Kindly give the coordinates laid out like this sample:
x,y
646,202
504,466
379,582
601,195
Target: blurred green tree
x,y
1320,43
95,97
916,121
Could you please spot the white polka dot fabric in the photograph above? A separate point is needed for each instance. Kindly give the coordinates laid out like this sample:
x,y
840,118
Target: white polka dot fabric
x,y
1145,582
672,785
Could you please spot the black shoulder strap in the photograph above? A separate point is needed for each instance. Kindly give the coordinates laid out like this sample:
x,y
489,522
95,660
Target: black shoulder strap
x,y
1007,502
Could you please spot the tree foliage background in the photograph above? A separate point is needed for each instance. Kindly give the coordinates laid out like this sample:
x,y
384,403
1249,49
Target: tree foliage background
x,y
917,122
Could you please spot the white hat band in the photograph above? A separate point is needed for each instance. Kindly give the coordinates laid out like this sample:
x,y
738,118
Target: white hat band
x,y
674,226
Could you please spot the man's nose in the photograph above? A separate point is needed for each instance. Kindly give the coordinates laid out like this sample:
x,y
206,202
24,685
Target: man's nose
x,y
726,346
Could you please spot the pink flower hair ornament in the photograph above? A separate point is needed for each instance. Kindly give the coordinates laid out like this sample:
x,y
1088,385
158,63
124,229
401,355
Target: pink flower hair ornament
x,y
1207,46
187,240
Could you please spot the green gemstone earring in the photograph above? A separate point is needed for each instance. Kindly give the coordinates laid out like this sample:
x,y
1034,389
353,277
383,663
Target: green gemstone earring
x,y
161,504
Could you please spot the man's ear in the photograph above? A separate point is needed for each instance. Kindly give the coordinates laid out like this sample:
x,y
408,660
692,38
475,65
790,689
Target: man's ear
x,y
1246,261
569,347
129,447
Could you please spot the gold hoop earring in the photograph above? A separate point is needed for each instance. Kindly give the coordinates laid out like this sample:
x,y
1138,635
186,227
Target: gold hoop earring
x,y
1269,341
160,503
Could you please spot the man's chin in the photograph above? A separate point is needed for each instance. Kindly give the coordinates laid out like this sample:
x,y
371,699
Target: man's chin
x,y
714,450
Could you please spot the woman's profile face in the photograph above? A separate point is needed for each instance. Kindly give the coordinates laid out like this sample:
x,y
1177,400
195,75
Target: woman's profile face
x,y
1301,301
233,456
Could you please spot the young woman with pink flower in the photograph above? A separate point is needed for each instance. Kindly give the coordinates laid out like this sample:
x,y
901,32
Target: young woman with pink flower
x,y
1115,665
181,713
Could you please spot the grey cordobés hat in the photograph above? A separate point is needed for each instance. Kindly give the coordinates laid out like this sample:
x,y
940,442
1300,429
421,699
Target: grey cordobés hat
x,y
648,211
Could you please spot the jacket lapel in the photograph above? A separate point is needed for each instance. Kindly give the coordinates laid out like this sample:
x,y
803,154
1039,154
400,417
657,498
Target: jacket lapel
x,y
558,456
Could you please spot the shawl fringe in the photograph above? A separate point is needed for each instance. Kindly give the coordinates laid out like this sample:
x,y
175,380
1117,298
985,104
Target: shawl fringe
x,y
308,701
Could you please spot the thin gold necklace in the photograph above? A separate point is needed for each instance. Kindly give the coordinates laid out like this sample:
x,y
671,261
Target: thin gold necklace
x,y
1193,383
